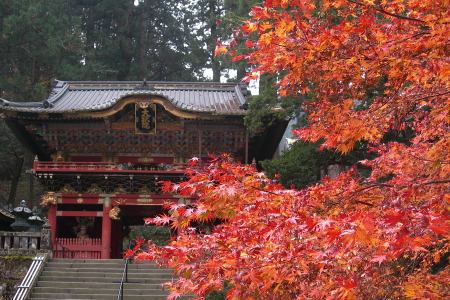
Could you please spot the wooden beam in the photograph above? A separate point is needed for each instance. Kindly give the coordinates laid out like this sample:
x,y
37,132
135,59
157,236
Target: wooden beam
x,y
83,213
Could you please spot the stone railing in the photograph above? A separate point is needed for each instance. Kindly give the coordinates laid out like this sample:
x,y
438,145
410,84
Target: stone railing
x,y
25,243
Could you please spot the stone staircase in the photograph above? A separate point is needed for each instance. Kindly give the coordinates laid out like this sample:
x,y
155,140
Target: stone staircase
x,y
70,279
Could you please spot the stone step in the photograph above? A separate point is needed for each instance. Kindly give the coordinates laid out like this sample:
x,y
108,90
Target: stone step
x,y
51,285
71,279
100,274
79,289
106,297
104,279
104,263
99,268
109,270
64,296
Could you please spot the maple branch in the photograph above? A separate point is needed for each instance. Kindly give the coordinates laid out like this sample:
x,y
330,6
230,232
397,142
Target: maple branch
x,y
365,203
375,185
381,10
436,182
432,96
444,162
402,186
262,190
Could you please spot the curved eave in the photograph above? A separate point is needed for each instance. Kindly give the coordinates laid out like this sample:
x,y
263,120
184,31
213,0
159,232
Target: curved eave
x,y
5,213
75,100
109,111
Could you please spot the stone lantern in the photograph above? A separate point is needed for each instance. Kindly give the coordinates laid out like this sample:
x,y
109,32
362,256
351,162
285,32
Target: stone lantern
x,y
35,221
22,213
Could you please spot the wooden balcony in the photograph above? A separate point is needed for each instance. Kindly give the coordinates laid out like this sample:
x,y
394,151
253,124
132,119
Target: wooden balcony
x,y
107,167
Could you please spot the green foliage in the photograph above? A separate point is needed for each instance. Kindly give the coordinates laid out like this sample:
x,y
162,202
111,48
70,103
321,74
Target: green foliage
x,y
17,258
219,295
217,20
303,164
98,40
34,36
235,13
267,107
300,166
160,235
123,41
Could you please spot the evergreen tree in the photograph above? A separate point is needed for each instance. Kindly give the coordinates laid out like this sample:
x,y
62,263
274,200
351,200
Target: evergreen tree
x,y
128,40
34,38
106,40
216,21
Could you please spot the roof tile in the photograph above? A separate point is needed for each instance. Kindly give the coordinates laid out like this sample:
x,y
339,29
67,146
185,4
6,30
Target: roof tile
x,y
73,96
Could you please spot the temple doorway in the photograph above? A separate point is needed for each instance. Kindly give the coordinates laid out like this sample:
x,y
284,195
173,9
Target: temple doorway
x,y
131,225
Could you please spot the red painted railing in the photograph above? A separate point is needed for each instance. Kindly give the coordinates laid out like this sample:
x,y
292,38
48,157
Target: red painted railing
x,y
78,248
103,167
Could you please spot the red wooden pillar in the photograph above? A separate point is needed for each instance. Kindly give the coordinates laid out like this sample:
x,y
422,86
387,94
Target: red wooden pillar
x,y
52,222
106,229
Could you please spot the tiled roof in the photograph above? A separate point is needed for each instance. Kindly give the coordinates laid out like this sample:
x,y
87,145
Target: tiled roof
x,y
5,212
78,96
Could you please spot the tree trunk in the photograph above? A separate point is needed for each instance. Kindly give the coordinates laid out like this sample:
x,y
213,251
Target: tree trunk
x,y
15,180
215,63
142,41
125,41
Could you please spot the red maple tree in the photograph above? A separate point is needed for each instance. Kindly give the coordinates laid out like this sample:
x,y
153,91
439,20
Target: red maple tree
x,y
381,237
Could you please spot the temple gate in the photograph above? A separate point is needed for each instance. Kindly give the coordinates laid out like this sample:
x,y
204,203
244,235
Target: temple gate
x,y
103,147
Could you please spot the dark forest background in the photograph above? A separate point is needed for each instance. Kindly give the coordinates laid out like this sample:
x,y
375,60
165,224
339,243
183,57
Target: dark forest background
x,y
156,40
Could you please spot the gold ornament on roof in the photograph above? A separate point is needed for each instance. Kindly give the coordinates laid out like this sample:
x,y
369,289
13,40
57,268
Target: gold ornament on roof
x,y
144,104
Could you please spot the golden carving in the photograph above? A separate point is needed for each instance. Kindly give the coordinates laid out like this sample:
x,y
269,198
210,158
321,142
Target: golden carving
x,y
59,156
145,118
145,159
144,104
144,200
94,189
145,191
119,201
31,127
68,189
114,213
84,225
48,199
120,190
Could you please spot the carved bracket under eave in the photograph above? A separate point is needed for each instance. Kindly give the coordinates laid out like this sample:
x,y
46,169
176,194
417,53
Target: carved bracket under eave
x,y
107,122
